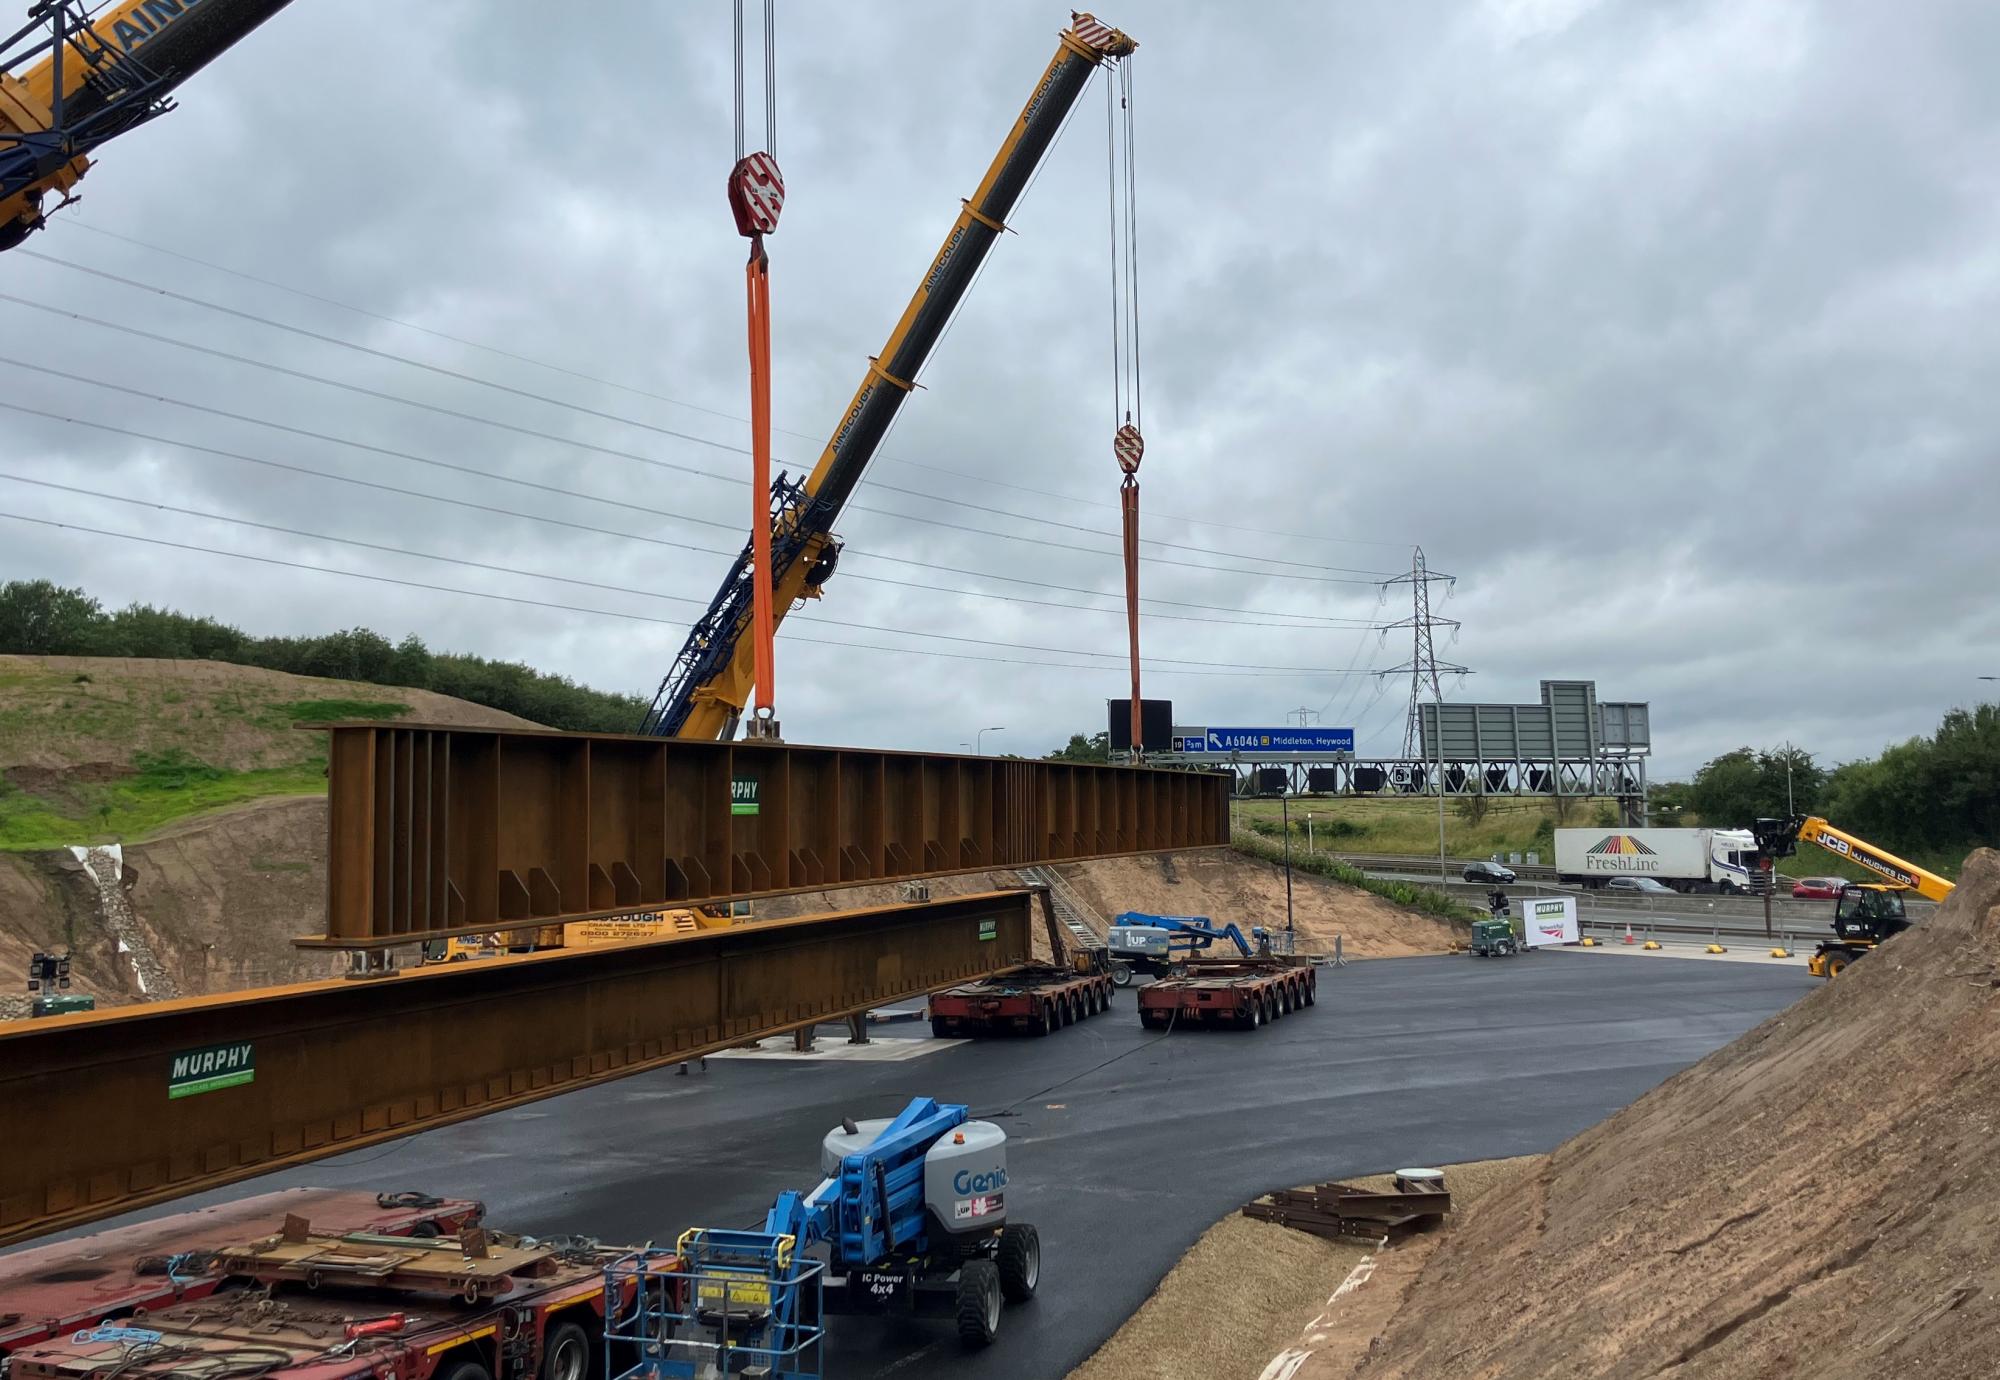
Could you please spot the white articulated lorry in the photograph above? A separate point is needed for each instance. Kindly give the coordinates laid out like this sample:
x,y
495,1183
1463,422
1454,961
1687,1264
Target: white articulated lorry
x,y
1684,859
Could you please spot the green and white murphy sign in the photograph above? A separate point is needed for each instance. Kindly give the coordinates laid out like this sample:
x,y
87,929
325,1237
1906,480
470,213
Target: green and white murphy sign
x,y
216,1066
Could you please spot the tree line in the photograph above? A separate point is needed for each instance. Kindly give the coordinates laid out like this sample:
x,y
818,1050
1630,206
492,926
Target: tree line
x,y
1934,796
40,618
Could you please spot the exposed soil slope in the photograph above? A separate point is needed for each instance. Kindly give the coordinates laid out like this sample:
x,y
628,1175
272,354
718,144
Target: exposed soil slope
x,y
206,764
1228,886
1217,882
1821,1198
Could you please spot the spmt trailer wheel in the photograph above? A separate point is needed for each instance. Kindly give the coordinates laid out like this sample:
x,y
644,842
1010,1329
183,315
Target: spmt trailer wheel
x,y
1020,1262
566,1353
978,1303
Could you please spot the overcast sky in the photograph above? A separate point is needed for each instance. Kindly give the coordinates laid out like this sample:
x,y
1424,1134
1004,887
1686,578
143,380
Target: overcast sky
x,y
1669,329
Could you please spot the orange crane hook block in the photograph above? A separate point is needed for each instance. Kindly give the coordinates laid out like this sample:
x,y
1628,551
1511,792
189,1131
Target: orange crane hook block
x,y
756,195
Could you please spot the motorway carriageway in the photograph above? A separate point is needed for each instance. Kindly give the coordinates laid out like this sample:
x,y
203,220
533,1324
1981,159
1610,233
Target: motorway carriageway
x,y
1124,1145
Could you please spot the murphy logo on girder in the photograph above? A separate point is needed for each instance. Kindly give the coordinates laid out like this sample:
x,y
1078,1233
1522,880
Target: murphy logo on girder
x,y
742,795
205,1070
148,20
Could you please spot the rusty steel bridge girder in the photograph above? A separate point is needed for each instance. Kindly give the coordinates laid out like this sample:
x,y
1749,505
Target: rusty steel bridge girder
x,y
440,831
100,1120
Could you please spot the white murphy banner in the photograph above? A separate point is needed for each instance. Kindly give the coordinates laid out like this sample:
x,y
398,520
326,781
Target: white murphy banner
x,y
1548,920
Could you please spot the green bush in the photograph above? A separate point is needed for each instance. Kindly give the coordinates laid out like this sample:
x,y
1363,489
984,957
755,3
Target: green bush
x,y
1420,898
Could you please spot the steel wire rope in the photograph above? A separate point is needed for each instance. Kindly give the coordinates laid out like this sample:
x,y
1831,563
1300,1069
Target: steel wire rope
x,y
849,551
394,550
595,612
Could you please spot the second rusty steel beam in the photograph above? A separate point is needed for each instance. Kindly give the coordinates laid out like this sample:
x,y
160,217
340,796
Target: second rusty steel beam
x,y
115,1109
439,831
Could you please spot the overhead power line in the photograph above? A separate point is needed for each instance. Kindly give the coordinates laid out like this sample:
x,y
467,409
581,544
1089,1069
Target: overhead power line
x,y
497,511
618,419
537,486
975,476
393,550
652,461
575,608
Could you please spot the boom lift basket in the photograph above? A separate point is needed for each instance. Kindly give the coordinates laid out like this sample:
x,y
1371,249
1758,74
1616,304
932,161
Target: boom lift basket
x,y
719,1303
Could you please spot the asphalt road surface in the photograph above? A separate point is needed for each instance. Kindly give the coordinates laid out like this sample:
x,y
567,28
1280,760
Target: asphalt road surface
x,y
1124,1145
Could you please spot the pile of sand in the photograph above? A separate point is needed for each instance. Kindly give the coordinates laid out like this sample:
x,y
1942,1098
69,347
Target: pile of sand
x,y
1820,1198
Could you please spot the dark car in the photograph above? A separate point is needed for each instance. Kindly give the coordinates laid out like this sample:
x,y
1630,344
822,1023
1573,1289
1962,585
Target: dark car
x,y
1483,871
1817,888
1643,886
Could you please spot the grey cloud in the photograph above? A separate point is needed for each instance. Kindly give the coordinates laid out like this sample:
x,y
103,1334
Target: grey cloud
x,y
1667,329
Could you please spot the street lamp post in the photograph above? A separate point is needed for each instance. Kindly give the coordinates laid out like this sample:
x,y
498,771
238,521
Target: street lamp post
x,y
1285,812
979,738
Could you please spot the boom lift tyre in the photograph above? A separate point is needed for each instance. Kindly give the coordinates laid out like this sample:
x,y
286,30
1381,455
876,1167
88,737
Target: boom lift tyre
x,y
979,1300
1020,1262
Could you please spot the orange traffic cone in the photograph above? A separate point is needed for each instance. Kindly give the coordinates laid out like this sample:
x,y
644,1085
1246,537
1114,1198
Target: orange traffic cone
x,y
1629,939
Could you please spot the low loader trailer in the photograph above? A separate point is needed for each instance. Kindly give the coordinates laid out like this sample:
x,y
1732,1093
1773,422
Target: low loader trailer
x,y
1031,1001
58,1288
1241,993
300,1302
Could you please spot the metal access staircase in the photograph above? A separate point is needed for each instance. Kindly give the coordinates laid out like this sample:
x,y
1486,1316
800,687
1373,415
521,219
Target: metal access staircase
x,y
1078,916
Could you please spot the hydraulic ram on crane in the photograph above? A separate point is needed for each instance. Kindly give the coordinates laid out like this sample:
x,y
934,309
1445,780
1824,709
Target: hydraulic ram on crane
x,y
704,694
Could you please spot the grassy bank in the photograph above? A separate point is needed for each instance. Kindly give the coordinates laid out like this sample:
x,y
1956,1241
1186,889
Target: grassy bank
x,y
1267,844
117,751
1505,827
1411,826
159,791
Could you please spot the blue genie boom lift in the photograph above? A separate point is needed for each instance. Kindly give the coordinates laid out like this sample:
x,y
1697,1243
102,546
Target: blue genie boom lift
x,y
911,1218
1162,944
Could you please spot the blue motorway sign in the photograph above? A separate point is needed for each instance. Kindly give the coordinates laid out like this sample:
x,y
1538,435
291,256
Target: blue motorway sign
x,y
1278,740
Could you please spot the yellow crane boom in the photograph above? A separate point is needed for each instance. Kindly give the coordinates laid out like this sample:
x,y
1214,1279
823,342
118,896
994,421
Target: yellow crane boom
x,y
70,80
704,694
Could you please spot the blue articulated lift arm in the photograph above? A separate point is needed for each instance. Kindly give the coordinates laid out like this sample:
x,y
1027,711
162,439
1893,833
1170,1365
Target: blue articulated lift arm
x,y
1199,930
874,1207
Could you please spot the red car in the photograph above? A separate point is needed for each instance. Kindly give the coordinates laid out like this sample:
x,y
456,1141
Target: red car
x,y
1818,888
